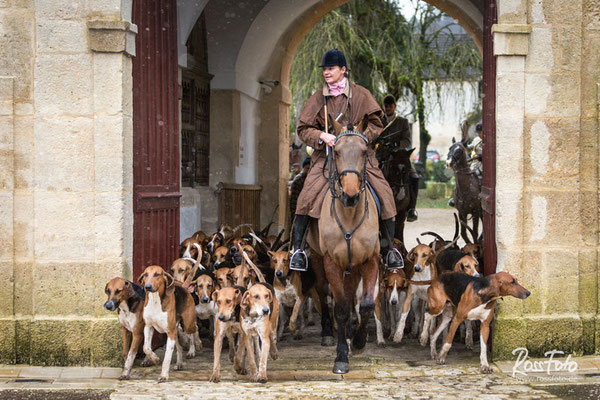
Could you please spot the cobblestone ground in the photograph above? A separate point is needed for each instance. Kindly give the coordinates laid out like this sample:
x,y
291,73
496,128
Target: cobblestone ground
x,y
303,371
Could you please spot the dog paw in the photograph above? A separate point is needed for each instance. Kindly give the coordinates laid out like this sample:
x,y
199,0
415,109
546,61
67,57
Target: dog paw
x,y
123,377
178,367
215,378
259,378
381,344
423,341
397,338
441,360
486,369
240,370
190,354
469,344
162,379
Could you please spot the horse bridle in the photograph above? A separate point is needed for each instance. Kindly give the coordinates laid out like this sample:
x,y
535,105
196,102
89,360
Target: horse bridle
x,y
335,177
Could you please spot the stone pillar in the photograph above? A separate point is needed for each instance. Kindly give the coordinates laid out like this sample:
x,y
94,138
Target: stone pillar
x,y
7,187
273,156
547,179
70,223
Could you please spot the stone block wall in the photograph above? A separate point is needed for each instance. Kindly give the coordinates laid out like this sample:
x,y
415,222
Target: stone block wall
x,y
548,73
66,177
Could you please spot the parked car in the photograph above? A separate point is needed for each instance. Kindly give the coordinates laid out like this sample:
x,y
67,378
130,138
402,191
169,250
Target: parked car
x,y
432,155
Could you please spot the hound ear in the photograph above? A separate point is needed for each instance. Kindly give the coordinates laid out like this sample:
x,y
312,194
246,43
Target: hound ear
x,y
337,127
141,280
411,256
215,295
362,126
169,278
245,297
270,296
453,140
105,288
270,253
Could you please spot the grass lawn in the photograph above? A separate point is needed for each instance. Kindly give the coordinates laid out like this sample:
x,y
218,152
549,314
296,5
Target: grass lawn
x,y
424,202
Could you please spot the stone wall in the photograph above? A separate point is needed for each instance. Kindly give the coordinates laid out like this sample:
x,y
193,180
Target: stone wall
x,y
66,180
547,175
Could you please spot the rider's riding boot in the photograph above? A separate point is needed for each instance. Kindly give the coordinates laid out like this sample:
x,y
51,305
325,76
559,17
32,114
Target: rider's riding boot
x,y
299,260
391,256
414,192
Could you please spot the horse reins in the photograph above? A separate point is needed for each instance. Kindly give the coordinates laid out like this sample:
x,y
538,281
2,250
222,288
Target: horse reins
x,y
335,177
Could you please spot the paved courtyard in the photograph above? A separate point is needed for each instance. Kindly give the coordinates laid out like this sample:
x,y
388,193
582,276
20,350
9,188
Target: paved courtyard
x,y
303,372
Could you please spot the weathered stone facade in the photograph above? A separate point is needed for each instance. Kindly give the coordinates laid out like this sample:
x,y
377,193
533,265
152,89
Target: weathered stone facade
x,y
547,173
66,165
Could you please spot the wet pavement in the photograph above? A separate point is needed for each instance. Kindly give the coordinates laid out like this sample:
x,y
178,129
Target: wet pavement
x,y
303,371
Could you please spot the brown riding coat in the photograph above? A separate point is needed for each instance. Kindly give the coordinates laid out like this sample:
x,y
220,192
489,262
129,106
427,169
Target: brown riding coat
x,y
354,103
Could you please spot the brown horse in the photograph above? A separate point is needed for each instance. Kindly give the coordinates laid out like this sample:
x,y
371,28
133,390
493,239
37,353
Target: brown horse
x,y
347,238
396,170
466,194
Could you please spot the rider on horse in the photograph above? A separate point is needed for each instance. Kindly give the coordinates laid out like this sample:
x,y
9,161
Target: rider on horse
x,y
347,103
396,134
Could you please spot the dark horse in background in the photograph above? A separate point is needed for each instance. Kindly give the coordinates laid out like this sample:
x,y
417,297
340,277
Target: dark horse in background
x,y
395,165
466,193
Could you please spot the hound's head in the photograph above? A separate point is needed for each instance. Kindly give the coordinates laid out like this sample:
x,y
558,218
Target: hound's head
x,y
117,290
395,281
242,276
223,277
280,263
472,249
508,286
215,240
258,301
187,248
226,231
467,265
155,279
204,286
420,256
227,299
220,255
180,269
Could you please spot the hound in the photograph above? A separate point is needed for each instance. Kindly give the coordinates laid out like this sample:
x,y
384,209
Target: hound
x,y
206,309
127,298
166,303
473,298
291,289
395,287
466,265
227,324
424,272
188,248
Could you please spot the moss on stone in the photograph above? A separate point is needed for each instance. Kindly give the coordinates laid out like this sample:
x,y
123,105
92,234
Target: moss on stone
x,y
7,341
23,341
106,347
61,342
509,334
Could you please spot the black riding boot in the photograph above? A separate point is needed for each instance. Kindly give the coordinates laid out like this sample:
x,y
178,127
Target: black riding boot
x,y
391,256
299,260
414,192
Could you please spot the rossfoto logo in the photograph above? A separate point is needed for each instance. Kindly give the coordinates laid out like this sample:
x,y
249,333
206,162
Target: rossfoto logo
x,y
554,369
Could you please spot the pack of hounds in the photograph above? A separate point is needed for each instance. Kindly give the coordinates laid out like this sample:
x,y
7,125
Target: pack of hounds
x,y
242,289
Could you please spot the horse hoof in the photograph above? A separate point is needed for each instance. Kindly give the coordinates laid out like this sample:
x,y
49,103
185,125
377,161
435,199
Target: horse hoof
x,y
341,367
327,341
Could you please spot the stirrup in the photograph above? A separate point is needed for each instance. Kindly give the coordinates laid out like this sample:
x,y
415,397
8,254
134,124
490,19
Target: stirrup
x,y
390,254
299,253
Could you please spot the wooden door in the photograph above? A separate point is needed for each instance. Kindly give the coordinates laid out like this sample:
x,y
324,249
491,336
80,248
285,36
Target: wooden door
x,y
488,191
155,135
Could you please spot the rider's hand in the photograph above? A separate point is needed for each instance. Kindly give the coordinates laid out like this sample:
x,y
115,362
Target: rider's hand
x,y
327,138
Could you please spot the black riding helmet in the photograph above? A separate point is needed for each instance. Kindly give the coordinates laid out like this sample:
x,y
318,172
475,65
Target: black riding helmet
x,y
332,58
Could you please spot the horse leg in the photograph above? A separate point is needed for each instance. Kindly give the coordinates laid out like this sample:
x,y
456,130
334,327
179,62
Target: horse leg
x,y
370,278
342,312
322,288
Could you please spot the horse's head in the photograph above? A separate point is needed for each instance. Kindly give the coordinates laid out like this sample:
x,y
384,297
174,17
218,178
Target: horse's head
x,y
350,158
457,156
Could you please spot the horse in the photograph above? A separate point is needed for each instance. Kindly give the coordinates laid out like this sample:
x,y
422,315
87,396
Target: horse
x,y
466,194
347,238
396,170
